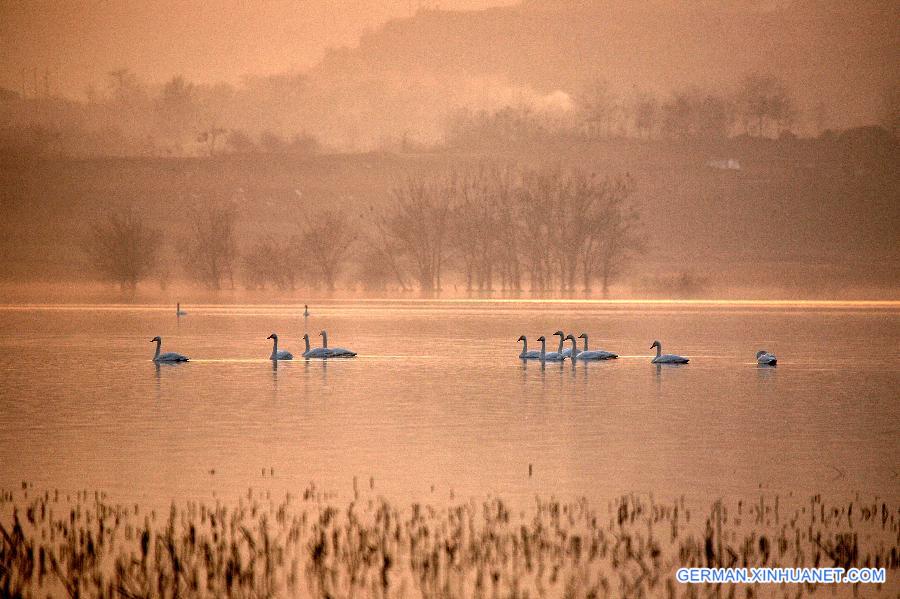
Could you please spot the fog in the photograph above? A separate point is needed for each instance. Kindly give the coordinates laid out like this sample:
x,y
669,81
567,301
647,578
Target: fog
x,y
549,147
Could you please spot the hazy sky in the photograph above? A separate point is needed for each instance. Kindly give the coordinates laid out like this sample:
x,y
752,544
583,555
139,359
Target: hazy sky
x,y
80,41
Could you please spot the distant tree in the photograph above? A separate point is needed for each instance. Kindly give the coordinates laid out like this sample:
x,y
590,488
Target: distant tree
x,y
126,90
646,113
272,143
238,142
122,248
601,108
475,223
374,269
209,137
209,251
617,230
304,144
327,239
269,262
383,247
176,107
690,114
764,104
418,225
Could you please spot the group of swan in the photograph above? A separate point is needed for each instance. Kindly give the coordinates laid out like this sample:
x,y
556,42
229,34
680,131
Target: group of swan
x,y
277,354
315,352
763,358
561,354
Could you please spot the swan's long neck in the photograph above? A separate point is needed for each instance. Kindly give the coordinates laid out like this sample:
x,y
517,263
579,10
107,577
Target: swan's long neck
x,y
274,346
306,339
585,343
543,350
158,344
658,349
559,351
324,340
524,347
574,348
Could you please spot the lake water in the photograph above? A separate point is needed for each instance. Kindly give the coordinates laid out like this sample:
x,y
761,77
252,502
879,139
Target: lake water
x,y
437,403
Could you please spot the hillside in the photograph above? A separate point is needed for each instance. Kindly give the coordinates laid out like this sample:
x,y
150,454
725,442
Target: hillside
x,y
405,75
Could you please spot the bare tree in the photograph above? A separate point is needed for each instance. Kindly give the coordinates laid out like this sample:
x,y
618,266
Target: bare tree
x,y
210,251
475,225
646,112
764,103
176,107
210,137
327,239
616,239
601,107
268,262
418,225
122,248
690,114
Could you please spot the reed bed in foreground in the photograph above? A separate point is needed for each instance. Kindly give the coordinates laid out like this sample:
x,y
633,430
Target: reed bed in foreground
x,y
313,546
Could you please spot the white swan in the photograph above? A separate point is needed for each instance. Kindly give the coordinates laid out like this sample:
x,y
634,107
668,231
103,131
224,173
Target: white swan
x,y
316,352
335,352
528,355
565,353
765,358
278,355
662,358
551,357
597,354
179,311
169,356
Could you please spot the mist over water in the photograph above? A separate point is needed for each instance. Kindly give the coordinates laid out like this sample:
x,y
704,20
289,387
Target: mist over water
x,y
438,399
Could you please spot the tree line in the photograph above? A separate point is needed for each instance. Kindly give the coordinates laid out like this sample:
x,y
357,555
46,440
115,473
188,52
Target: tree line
x,y
482,227
761,105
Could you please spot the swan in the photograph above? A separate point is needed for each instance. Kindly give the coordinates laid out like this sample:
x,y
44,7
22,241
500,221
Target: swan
x,y
765,358
662,358
316,352
597,354
551,357
179,311
528,355
335,352
169,356
565,353
278,355
305,311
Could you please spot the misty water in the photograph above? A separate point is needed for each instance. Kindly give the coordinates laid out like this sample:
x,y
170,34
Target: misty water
x,y
438,405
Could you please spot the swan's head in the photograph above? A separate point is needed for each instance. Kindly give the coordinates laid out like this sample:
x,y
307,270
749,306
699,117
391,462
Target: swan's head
x,y
272,336
521,338
656,344
156,339
582,336
322,333
306,336
542,338
560,333
760,352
